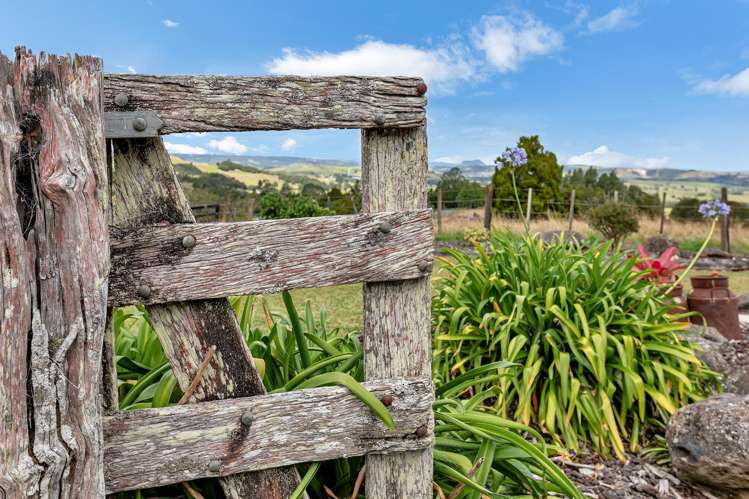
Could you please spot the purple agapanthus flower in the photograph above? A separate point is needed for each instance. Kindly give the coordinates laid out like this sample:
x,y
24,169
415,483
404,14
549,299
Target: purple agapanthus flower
x,y
515,157
712,209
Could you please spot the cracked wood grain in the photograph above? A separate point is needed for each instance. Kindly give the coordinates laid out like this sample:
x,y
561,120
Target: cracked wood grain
x,y
155,447
397,315
54,263
268,256
224,103
146,192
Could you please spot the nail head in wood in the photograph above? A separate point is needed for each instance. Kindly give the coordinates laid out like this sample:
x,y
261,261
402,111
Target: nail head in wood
x,y
387,400
423,266
121,100
144,291
246,419
379,119
140,124
384,227
421,88
188,242
215,466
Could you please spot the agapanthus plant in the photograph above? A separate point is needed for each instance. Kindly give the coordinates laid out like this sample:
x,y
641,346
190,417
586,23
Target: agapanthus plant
x,y
515,157
711,210
661,270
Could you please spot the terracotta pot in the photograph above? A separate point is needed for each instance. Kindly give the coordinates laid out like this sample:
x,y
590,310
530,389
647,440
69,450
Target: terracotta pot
x,y
711,297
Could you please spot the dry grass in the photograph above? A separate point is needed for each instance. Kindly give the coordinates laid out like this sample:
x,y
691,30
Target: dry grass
x,y
689,235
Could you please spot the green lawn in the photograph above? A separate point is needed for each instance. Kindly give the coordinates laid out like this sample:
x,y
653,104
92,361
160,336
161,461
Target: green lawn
x,y
343,304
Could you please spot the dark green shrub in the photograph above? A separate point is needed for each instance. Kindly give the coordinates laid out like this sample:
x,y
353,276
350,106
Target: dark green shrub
x,y
614,220
685,209
292,205
601,360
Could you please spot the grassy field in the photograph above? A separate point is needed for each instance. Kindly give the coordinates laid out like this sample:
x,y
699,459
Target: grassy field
x,y
250,179
676,190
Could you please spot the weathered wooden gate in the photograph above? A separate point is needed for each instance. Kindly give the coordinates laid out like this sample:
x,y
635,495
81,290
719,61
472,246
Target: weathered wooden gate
x,y
85,176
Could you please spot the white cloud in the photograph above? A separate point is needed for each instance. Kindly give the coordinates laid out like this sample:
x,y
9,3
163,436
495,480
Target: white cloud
x,y
183,148
288,144
619,18
169,23
131,70
737,85
377,58
508,42
604,157
228,145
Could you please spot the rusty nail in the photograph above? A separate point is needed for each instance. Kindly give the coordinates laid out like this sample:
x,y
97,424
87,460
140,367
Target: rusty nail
x,y
140,124
214,466
379,119
188,242
246,419
121,100
423,266
422,431
144,291
421,88
387,400
384,227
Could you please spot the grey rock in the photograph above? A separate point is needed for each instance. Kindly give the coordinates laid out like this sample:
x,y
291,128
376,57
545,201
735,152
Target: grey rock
x,y
709,442
743,301
655,245
729,358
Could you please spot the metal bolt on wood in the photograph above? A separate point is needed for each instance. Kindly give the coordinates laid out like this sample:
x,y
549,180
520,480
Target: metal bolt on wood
x,y
144,291
188,242
140,124
422,431
246,419
121,100
379,119
214,466
421,88
424,266
387,400
384,227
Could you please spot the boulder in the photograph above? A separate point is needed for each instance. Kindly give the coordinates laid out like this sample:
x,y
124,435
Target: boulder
x,y
728,358
709,442
655,245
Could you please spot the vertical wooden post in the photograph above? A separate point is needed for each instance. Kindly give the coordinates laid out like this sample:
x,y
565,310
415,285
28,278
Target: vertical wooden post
x,y
54,242
571,218
488,201
725,230
439,210
529,206
397,315
663,213
616,196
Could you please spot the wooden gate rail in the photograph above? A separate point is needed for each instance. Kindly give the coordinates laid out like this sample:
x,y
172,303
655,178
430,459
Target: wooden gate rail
x,y
159,264
155,447
224,103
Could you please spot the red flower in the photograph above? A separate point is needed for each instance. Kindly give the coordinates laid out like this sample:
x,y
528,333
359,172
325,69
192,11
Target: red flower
x,y
661,269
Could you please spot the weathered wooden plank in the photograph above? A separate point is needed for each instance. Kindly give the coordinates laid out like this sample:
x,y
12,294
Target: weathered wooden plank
x,y
54,262
161,446
145,191
222,103
199,261
397,317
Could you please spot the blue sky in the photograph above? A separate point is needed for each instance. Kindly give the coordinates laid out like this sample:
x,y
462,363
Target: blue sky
x,y
637,83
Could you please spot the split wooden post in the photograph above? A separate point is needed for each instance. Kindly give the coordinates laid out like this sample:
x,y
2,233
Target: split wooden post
x,y
145,192
488,201
397,315
663,213
529,206
439,210
571,218
725,229
54,243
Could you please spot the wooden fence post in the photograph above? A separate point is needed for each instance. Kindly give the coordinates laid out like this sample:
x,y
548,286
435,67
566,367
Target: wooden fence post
x,y
439,210
529,206
397,315
571,218
725,229
55,244
488,201
663,213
